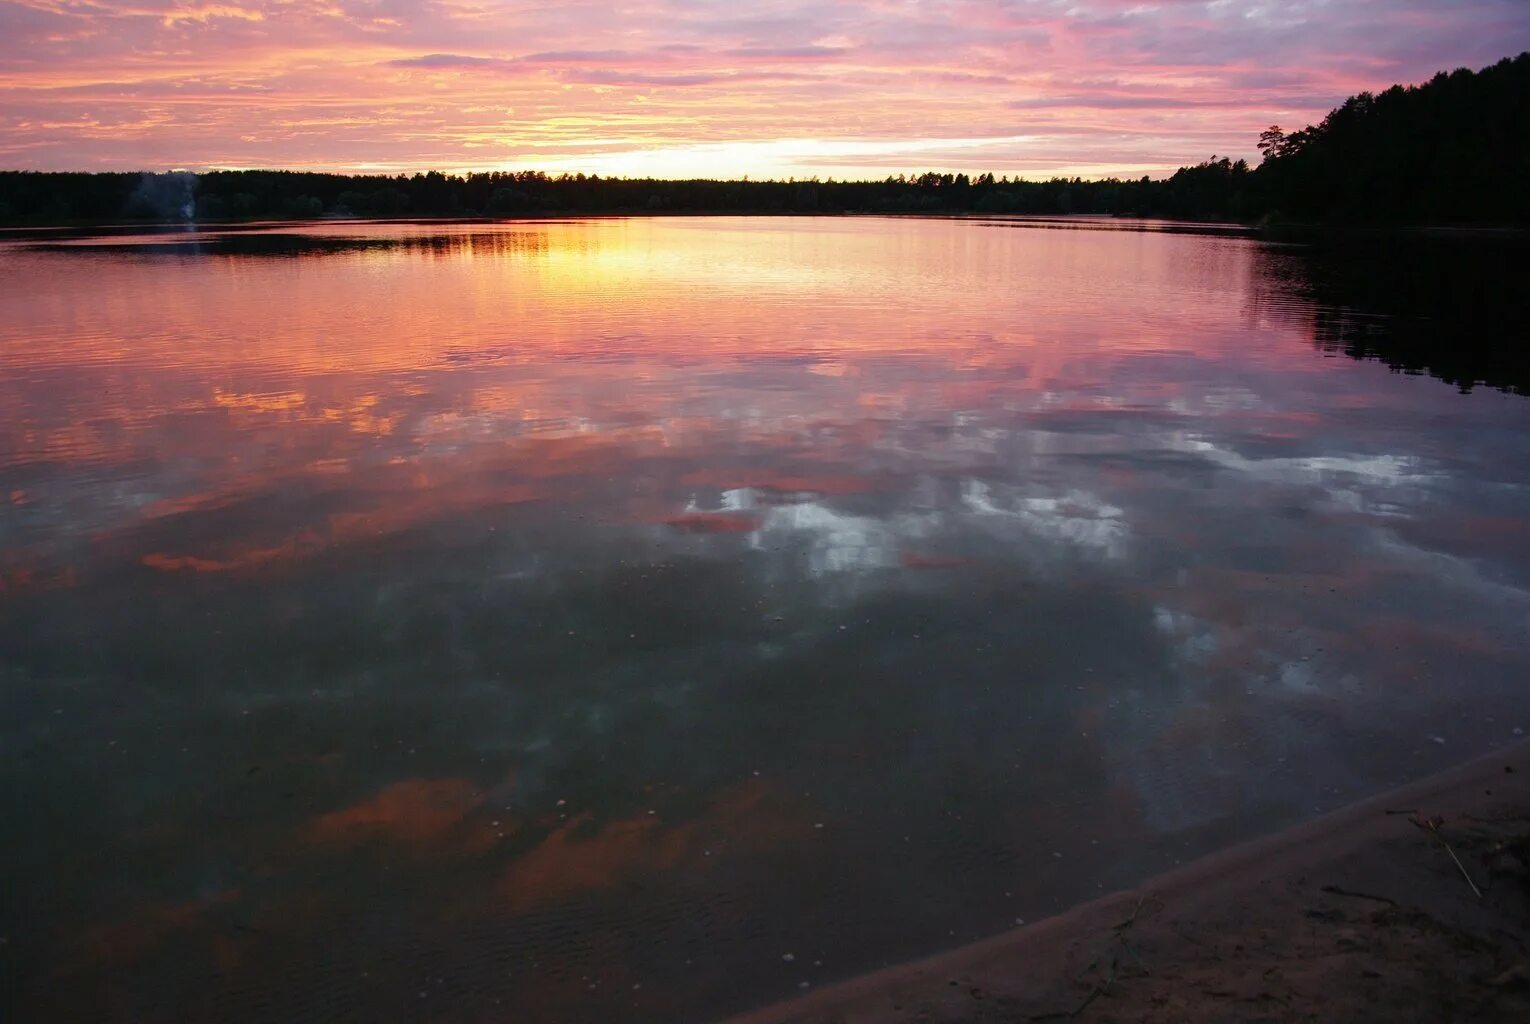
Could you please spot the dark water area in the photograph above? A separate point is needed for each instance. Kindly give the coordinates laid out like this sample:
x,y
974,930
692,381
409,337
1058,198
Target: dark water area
x,y
1454,308
647,619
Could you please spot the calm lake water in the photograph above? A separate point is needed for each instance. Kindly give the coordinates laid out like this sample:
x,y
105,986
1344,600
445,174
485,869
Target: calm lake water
x,y
646,619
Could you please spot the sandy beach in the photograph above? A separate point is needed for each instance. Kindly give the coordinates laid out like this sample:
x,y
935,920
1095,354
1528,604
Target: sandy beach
x,y
1412,906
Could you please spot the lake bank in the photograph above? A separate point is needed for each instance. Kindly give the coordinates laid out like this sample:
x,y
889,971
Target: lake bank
x,y
1362,913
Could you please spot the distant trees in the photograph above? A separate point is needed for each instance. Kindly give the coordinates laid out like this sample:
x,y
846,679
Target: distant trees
x,y
1272,142
1216,189
388,201
1455,149
1197,192
507,200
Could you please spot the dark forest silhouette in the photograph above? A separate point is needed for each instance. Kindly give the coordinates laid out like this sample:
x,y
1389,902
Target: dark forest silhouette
x,y
1453,150
1447,307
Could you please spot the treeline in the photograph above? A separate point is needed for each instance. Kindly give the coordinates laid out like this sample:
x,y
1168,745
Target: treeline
x,y
1211,190
1456,149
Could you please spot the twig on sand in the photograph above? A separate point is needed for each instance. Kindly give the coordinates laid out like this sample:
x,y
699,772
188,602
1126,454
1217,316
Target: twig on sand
x,y
1094,994
1132,919
1432,826
1339,891
1100,988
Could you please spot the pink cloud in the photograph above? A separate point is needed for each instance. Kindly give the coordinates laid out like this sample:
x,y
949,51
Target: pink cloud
x,y
1025,86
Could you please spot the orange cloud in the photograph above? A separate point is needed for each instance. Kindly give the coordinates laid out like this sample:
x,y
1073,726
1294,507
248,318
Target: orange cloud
x,y
573,859
713,522
239,556
149,926
412,811
580,856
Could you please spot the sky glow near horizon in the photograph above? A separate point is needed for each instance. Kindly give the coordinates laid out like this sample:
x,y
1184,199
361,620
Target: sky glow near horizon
x,y
704,88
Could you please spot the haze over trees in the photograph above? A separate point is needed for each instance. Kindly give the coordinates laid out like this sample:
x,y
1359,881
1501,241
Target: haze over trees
x,y
1453,150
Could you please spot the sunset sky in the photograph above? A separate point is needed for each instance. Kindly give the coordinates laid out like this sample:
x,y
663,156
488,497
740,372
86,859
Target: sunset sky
x,y
715,88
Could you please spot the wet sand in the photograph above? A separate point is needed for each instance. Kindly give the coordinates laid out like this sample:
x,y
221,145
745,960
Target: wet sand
x,y
1362,914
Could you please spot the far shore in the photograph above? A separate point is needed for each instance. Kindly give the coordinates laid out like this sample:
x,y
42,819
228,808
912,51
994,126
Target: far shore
x,y
1284,231
1368,913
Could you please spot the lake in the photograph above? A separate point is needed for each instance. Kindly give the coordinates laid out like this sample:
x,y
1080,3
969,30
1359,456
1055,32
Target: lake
x,y
647,619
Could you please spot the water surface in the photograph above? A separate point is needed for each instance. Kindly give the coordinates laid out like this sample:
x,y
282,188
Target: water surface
x,y
645,619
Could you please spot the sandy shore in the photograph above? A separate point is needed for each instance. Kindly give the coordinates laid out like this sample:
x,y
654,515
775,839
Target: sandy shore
x,y
1361,915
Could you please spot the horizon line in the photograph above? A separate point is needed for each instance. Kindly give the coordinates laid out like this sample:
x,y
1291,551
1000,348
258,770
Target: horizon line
x,y
575,175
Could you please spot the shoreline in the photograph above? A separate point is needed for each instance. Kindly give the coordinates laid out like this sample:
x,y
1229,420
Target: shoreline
x,y
1357,914
1278,231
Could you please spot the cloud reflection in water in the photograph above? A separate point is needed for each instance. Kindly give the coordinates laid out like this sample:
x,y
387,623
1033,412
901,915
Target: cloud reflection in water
x,y
518,615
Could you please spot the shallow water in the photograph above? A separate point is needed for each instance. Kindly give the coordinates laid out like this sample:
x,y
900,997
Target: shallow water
x,y
646,619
